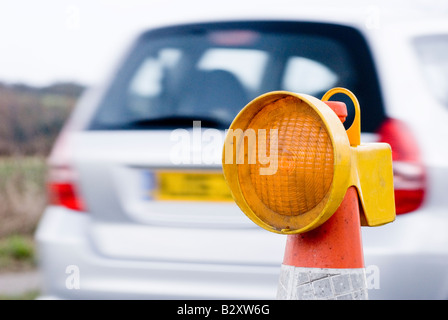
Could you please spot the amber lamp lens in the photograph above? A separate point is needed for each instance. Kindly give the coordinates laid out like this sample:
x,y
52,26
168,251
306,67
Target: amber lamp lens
x,y
305,159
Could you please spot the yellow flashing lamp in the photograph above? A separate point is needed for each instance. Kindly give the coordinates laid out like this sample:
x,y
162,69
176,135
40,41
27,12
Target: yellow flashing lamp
x,y
289,161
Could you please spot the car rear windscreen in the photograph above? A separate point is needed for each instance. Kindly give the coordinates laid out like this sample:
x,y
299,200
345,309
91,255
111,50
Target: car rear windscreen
x,y
209,72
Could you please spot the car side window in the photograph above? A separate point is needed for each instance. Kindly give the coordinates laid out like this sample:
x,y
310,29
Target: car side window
x,y
431,51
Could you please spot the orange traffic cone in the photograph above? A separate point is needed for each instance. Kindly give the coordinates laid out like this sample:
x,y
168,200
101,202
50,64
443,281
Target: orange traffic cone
x,y
327,262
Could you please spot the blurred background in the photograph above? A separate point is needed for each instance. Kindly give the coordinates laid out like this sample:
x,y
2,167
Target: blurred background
x,y
51,51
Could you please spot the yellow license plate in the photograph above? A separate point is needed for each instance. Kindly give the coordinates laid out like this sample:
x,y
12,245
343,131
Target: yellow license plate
x,y
191,186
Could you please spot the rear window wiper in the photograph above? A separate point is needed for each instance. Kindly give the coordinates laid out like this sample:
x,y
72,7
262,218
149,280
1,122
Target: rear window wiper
x,y
171,122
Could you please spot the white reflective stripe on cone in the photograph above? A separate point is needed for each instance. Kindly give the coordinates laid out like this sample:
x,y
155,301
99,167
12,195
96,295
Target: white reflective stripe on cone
x,y
298,283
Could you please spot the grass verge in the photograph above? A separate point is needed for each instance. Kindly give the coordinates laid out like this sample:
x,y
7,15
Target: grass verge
x,y
17,253
30,295
22,201
22,194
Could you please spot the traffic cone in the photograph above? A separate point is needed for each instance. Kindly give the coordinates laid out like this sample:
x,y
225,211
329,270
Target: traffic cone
x,y
323,257
327,262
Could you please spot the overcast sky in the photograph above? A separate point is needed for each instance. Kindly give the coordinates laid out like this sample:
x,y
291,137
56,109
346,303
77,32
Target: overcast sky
x,y
62,40
49,40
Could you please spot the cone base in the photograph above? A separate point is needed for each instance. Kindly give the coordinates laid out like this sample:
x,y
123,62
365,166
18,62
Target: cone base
x,y
297,283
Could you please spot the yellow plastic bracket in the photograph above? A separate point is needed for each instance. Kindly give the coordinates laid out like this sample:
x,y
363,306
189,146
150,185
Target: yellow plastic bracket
x,y
354,132
371,171
372,175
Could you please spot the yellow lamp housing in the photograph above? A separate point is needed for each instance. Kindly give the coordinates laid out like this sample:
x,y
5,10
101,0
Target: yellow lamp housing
x,y
289,161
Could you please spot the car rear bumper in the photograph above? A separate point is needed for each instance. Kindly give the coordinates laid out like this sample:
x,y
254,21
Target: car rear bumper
x,y
73,269
409,256
400,264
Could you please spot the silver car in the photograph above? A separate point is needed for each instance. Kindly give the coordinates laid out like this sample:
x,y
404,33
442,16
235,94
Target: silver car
x,y
138,208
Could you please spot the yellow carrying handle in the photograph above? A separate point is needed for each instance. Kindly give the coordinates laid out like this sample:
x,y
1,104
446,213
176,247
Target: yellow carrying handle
x,y
354,132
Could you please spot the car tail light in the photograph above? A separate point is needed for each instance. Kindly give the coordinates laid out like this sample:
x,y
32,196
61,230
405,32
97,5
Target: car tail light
x,y
409,173
62,189
62,178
